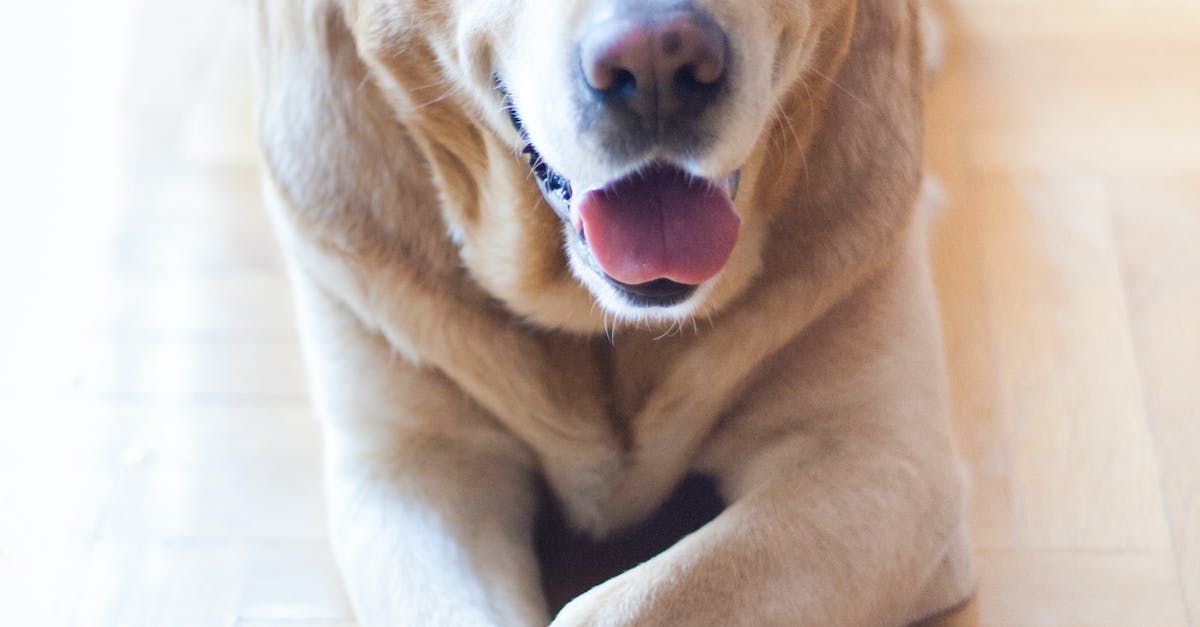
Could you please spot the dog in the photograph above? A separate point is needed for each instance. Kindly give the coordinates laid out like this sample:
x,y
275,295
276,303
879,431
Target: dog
x,y
590,248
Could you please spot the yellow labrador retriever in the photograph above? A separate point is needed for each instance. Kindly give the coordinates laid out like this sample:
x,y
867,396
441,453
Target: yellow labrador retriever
x,y
589,248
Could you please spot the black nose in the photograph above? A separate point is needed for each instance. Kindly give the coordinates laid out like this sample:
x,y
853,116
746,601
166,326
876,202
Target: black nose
x,y
653,63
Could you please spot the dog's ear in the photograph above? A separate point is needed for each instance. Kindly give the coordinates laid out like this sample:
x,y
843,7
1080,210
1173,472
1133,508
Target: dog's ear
x,y
331,143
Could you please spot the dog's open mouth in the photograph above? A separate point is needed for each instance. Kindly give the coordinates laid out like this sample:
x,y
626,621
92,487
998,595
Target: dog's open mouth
x,y
659,223
655,235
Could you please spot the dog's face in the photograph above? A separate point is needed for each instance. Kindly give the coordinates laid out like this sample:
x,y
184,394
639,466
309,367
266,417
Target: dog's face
x,y
646,124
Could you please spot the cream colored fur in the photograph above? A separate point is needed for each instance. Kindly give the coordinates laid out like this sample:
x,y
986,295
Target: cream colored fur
x,y
457,361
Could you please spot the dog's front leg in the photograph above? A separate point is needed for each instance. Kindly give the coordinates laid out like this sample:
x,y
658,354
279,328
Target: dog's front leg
x,y
854,523
430,532
430,502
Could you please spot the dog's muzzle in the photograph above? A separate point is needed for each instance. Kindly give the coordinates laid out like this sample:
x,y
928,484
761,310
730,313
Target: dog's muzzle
x,y
650,73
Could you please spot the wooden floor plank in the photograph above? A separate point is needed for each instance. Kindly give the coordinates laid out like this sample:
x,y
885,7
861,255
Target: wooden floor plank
x,y
957,247
1058,589
1080,89
1084,466
114,367
1158,227
293,582
148,583
217,472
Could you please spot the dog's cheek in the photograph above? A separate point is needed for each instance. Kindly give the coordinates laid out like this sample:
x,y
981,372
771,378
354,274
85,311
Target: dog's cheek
x,y
540,68
792,38
480,28
753,27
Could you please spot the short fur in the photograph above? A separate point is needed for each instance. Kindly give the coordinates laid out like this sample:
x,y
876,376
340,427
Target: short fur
x,y
457,363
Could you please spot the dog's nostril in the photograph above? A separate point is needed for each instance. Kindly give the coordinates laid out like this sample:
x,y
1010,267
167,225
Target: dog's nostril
x,y
687,79
623,83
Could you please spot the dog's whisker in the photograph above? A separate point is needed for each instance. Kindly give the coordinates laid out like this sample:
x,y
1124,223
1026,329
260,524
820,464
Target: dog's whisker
x,y
857,98
447,94
812,111
800,148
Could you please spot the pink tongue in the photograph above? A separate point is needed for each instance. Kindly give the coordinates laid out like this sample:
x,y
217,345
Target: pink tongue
x,y
660,224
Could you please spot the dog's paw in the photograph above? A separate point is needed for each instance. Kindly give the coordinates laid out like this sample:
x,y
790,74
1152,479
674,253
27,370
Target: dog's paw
x,y
606,605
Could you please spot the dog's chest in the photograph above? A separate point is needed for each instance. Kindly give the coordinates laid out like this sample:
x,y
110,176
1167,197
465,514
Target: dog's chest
x,y
637,366
612,483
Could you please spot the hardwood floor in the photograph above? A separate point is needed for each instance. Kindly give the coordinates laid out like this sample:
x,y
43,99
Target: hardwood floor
x,y
1071,159
160,463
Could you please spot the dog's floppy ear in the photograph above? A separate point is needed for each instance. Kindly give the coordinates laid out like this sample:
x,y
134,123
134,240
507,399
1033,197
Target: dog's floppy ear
x,y
400,56
332,145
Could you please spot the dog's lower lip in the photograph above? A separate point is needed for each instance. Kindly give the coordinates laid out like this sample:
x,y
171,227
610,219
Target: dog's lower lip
x,y
659,293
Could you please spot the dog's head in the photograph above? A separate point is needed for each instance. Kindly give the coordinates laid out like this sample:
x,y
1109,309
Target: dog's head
x,y
652,129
